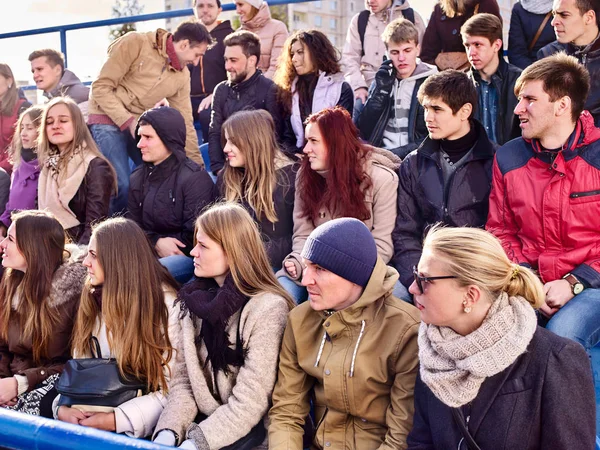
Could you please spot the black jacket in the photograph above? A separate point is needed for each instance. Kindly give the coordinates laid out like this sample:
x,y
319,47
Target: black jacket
x,y
256,93
379,106
590,58
544,400
507,123
277,236
523,28
211,69
92,200
424,199
165,199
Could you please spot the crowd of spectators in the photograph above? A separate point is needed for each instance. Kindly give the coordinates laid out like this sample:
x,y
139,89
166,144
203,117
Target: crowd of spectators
x,y
390,247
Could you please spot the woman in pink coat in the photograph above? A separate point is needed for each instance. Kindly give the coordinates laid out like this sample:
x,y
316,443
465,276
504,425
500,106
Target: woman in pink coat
x,y
256,17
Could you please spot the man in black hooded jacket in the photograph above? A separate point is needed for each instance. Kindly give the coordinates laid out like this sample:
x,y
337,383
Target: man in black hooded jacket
x,y
169,190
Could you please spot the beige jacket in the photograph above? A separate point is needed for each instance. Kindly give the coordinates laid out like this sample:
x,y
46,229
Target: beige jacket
x,y
272,34
364,379
381,199
360,70
136,76
245,394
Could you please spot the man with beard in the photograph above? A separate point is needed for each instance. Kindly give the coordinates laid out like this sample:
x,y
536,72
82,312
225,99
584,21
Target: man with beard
x,y
211,69
245,88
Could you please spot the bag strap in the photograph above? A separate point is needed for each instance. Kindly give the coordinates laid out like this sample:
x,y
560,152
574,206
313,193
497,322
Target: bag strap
x,y
539,31
95,347
363,19
460,421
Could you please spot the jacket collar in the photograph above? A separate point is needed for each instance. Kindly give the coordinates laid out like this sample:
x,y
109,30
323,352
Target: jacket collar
x,y
592,49
498,76
584,133
240,87
483,149
164,169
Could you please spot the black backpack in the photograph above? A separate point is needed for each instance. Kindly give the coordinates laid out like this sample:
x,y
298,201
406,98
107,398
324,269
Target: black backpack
x,y
363,19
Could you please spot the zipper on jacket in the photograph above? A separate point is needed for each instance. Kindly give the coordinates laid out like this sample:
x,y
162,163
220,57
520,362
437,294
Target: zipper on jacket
x,y
584,194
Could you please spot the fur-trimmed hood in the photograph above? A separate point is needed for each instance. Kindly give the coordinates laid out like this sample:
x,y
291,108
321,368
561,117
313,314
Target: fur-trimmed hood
x,y
69,278
385,158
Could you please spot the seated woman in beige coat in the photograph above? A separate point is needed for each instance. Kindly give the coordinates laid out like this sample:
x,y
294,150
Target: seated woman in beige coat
x,y
352,348
256,17
233,316
337,172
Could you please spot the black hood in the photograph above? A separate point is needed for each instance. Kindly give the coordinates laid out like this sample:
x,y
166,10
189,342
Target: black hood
x,y
170,127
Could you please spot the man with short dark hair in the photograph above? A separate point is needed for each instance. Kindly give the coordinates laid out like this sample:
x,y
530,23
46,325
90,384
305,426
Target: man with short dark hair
x,y
245,88
545,200
143,70
448,178
50,76
211,70
392,117
494,78
577,31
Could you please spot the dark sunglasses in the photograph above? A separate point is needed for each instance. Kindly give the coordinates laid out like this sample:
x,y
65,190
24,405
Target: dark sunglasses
x,y
419,279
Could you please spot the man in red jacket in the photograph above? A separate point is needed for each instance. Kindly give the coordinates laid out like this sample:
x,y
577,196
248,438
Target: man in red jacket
x,y
545,199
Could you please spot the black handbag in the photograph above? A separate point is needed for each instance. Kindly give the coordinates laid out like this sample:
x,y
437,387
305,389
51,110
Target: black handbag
x,y
252,440
96,383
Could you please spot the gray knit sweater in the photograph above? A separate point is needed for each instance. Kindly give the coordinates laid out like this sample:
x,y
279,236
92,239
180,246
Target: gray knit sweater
x,y
245,393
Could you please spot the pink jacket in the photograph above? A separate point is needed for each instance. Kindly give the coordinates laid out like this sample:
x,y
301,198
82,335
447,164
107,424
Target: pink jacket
x,y
272,34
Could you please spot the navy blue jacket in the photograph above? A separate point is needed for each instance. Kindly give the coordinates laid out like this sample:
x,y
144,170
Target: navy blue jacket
x,y
424,198
523,28
544,400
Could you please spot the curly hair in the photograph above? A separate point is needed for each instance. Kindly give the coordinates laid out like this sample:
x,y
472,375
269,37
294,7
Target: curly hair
x,y
323,55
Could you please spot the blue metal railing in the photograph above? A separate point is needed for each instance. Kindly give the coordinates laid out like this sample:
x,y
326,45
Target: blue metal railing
x,y
62,29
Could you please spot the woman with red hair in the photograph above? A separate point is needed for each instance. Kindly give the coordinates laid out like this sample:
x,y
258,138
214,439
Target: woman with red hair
x,y
340,177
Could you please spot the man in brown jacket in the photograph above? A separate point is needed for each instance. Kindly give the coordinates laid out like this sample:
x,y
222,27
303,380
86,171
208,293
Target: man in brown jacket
x,y
352,348
143,70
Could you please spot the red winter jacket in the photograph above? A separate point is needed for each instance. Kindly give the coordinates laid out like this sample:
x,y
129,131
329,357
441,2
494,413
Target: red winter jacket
x,y
547,213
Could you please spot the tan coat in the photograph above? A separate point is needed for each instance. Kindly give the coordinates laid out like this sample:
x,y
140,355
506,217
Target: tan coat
x,y
373,408
360,70
136,76
272,34
381,199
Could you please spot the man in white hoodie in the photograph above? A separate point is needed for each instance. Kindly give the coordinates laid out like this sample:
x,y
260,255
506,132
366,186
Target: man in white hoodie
x,y
392,117
364,49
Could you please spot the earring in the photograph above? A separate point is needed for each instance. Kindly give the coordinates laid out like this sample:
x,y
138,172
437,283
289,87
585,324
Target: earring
x,y
466,309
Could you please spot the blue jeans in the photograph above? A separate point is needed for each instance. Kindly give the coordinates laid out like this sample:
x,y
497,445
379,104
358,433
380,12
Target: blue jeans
x,y
118,147
579,319
206,158
299,293
180,266
402,293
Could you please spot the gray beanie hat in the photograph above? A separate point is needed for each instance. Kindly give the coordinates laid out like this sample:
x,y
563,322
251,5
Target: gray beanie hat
x,y
345,247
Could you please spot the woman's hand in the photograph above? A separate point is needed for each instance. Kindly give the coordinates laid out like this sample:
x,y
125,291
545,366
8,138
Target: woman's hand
x,y
290,268
100,421
8,390
70,415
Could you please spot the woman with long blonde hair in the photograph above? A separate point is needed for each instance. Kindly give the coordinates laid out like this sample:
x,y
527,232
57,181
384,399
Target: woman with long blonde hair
x,y
488,373
259,177
23,155
11,107
233,317
127,305
76,181
39,295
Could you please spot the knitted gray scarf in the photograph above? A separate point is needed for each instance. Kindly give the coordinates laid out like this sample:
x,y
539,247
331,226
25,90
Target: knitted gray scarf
x,y
455,366
537,6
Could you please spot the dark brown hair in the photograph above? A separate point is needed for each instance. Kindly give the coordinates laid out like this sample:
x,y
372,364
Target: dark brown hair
x,y
41,239
194,31
484,25
53,57
247,40
323,55
451,86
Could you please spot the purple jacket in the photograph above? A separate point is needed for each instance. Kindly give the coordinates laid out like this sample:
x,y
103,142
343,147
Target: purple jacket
x,y
23,189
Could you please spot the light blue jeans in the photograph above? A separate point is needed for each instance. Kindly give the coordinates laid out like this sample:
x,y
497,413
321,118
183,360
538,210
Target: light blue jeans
x,y
118,147
299,293
180,266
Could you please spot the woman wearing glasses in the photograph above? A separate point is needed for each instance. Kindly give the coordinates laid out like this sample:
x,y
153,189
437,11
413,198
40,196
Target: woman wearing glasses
x,y
489,376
